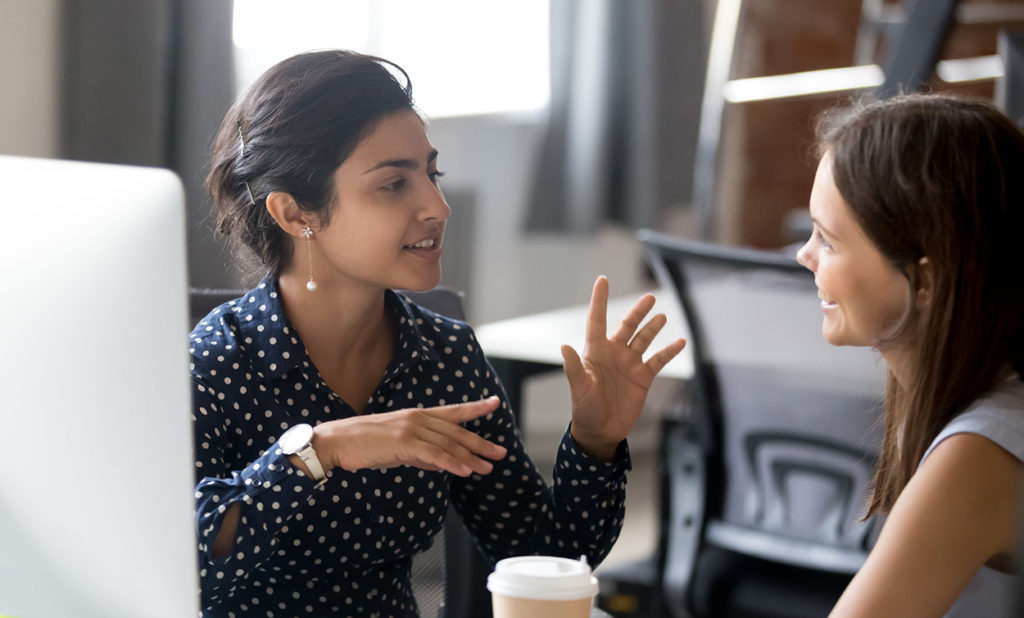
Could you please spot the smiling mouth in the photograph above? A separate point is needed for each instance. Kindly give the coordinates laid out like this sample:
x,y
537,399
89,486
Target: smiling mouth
x,y
826,302
429,243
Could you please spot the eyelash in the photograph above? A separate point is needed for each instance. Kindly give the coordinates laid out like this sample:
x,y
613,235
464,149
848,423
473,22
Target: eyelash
x,y
399,184
821,239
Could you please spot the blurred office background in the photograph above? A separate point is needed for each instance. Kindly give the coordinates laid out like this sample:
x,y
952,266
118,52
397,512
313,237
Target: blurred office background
x,y
563,125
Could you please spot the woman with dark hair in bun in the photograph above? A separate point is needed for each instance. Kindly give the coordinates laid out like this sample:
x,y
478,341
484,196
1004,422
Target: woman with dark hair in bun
x,y
334,419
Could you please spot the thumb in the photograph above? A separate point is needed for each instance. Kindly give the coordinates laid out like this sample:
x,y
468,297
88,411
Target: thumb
x,y
574,370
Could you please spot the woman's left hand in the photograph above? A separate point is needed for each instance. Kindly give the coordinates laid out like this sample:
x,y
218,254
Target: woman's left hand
x,y
609,385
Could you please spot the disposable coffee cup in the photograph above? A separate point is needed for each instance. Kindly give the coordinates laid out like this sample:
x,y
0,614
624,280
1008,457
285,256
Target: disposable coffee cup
x,y
542,587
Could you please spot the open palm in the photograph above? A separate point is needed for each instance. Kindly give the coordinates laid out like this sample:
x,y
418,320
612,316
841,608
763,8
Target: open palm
x,y
610,383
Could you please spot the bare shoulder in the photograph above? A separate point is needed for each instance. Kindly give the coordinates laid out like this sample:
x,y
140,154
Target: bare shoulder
x,y
957,512
975,481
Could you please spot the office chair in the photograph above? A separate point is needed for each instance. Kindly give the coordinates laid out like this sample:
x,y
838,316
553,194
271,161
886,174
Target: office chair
x,y
449,580
763,477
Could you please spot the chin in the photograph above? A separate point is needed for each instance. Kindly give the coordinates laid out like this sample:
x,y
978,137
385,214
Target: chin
x,y
421,284
844,338
834,336
837,342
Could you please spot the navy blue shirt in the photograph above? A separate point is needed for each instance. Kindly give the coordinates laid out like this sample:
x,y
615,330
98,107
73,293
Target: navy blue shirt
x,y
344,546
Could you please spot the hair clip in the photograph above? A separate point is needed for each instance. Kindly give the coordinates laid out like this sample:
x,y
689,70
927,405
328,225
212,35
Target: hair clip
x,y
241,138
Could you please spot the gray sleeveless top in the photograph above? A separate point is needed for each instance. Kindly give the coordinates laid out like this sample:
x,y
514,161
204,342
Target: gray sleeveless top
x,y
999,417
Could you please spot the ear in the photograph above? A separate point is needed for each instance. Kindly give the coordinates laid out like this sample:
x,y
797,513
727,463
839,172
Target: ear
x,y
925,283
290,218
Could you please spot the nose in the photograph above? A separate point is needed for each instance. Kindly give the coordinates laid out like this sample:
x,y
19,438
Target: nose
x,y
805,256
435,207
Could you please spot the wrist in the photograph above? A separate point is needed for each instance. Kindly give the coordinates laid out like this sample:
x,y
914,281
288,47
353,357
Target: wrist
x,y
595,447
297,444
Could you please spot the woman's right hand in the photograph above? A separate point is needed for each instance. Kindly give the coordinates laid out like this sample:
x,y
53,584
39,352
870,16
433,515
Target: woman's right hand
x,y
428,438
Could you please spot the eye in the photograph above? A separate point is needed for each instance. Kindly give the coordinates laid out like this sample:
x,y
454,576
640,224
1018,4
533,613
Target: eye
x,y
820,239
394,186
435,176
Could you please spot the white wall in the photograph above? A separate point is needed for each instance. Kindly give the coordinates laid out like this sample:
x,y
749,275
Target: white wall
x,y
29,57
493,156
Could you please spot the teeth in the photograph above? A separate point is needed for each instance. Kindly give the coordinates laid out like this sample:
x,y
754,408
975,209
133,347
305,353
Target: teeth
x,y
823,297
424,244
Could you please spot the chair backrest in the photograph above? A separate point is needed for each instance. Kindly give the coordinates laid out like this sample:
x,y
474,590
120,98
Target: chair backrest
x,y
787,424
449,579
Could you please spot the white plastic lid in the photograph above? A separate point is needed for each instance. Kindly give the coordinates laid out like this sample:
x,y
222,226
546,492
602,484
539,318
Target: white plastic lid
x,y
543,577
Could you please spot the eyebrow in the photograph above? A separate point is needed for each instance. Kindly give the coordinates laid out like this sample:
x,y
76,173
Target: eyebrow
x,y
409,164
823,228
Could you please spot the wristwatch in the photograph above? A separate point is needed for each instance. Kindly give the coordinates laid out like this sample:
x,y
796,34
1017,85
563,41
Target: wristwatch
x,y
298,440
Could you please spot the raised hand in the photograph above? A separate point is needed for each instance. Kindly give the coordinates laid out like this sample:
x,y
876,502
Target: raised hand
x,y
428,438
610,383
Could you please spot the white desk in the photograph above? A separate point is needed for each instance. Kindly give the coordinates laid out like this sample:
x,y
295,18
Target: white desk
x,y
784,333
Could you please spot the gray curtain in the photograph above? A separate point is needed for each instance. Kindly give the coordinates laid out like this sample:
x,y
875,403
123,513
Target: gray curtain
x,y
626,81
146,82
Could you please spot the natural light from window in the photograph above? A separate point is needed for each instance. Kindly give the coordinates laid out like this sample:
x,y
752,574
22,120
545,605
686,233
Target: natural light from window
x,y
463,56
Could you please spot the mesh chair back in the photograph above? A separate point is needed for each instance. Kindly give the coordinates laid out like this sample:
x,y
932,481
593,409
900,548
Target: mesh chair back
x,y
788,423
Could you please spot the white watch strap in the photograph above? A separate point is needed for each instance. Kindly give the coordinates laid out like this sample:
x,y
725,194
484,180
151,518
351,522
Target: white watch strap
x,y
308,455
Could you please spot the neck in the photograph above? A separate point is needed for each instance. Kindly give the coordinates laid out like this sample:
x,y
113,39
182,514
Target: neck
x,y
900,362
345,321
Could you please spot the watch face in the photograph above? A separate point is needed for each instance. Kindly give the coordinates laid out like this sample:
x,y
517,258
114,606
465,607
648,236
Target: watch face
x,y
295,438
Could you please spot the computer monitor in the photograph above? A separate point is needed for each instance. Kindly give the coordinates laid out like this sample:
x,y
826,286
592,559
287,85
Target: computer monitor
x,y
96,482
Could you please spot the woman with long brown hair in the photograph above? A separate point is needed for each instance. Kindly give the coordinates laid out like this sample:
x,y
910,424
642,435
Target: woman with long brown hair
x,y
918,209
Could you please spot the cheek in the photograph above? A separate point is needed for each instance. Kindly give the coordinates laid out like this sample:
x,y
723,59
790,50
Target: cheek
x,y
371,231
878,305
830,275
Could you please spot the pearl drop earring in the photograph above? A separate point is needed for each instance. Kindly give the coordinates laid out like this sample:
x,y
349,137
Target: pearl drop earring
x,y
307,233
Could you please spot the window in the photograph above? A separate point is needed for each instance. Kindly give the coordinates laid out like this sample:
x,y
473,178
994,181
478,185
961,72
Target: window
x,y
463,56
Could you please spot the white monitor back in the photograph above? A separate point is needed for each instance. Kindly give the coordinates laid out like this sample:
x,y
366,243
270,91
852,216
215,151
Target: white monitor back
x,y
96,507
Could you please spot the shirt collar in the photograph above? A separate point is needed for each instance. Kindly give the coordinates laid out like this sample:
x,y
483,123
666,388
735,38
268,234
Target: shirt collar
x,y
412,347
275,347
272,342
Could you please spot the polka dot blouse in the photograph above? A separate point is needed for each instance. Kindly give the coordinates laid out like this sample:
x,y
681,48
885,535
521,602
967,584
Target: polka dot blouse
x,y
344,547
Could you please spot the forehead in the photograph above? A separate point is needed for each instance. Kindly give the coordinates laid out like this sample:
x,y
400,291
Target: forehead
x,y
826,203
400,135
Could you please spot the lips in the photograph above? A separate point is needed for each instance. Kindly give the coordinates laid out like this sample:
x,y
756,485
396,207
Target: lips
x,y
826,302
426,248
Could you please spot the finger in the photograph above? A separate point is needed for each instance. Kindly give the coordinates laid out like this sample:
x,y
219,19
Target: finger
x,y
452,431
432,457
633,318
597,319
574,370
643,339
449,454
462,412
657,362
